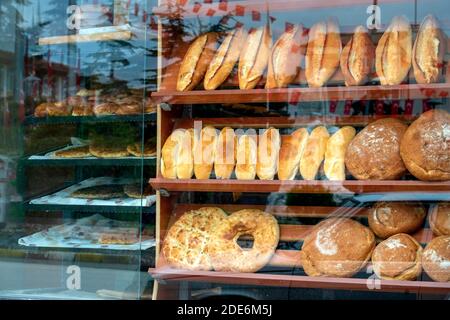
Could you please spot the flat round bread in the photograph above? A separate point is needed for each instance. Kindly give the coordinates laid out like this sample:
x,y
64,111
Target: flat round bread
x,y
108,151
134,190
225,252
76,152
100,192
186,245
136,149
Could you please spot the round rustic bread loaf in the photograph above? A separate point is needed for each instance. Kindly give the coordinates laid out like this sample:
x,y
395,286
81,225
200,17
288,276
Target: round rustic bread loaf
x,y
397,258
425,147
337,247
389,218
436,259
439,219
375,151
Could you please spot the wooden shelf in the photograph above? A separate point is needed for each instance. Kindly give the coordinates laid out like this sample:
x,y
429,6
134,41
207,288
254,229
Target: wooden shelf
x,y
246,7
295,281
373,92
300,186
287,122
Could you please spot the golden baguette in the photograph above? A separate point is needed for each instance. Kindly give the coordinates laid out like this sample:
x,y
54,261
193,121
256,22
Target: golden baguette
x,y
334,165
196,61
357,58
225,59
323,52
314,153
268,150
169,154
429,51
246,155
393,52
286,57
185,160
292,148
204,150
225,155
254,57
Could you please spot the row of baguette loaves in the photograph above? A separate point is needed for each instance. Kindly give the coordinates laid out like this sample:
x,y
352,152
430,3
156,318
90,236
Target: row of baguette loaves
x,y
322,52
384,150
206,239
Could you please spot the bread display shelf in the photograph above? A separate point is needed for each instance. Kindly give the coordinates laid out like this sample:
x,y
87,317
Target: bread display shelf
x,y
246,7
107,162
294,95
84,208
32,120
299,281
289,259
300,186
287,122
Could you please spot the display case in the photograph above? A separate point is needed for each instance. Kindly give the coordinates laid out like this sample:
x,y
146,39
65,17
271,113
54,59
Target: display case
x,y
301,214
77,147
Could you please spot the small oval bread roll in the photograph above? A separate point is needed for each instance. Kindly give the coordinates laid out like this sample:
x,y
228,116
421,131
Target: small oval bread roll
x,y
204,152
436,259
314,153
246,155
429,51
394,51
323,52
334,165
254,57
225,155
286,57
225,58
358,58
425,147
185,160
268,151
439,219
336,247
196,61
169,154
292,148
374,153
398,258
389,218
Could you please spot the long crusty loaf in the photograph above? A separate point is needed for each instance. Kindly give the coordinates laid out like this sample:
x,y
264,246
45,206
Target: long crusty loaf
x,y
204,150
225,155
254,57
196,61
314,153
323,52
185,160
292,148
225,58
393,53
268,150
357,58
428,51
169,154
334,165
246,156
286,57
